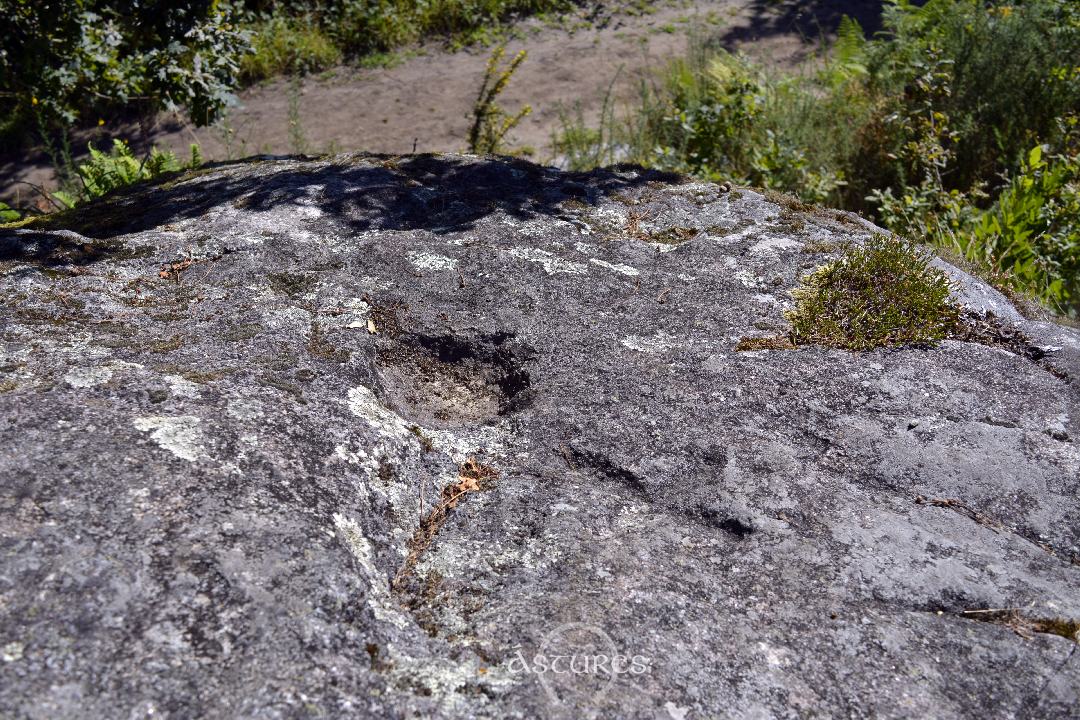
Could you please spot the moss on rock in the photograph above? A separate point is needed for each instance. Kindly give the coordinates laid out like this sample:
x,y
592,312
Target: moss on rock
x,y
881,294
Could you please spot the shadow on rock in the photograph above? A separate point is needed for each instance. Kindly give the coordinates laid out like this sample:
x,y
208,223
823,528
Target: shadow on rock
x,y
364,192
59,248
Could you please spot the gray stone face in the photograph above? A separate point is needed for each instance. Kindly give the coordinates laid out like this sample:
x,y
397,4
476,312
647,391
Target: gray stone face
x,y
225,397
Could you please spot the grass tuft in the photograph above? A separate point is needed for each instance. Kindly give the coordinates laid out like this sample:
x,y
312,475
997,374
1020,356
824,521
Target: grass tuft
x,y
882,294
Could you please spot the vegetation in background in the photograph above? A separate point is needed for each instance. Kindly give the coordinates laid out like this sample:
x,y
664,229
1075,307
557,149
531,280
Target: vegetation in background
x,y
366,26
490,122
72,64
1034,223
66,64
286,45
881,294
298,37
957,126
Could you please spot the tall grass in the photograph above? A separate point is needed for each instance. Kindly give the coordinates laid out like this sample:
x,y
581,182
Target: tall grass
x,y
287,45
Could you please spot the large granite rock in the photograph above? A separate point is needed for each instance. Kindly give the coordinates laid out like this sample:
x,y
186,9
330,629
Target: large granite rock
x,y
226,397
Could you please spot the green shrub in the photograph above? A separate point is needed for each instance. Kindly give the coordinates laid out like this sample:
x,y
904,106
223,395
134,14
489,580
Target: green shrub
x,y
1031,234
1011,71
884,293
71,60
66,63
716,116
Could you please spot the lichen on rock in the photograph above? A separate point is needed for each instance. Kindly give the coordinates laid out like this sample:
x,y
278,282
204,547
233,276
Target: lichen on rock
x,y
213,475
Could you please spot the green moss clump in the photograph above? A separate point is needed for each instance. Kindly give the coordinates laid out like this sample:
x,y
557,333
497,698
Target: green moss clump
x,y
244,331
292,284
674,236
320,346
881,294
166,345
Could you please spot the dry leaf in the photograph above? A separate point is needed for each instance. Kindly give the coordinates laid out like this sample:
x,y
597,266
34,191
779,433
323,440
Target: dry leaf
x,y
371,326
174,269
472,477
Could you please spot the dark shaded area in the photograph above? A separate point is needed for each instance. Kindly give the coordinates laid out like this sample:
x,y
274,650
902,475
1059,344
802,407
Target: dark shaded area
x,y
507,358
378,192
54,249
722,519
810,19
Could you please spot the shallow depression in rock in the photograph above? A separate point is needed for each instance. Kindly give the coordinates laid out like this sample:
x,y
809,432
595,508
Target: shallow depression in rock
x,y
447,381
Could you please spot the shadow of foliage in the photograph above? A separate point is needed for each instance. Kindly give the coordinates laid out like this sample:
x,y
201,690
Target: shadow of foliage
x,y
54,249
810,19
437,193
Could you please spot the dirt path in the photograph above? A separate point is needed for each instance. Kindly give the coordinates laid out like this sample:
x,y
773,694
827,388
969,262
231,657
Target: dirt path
x,y
425,99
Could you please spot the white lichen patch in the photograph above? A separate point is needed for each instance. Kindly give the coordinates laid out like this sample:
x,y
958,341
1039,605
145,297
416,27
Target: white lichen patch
x,y
745,277
738,236
649,344
443,677
612,213
179,435
775,243
246,409
11,652
348,313
666,247
622,269
363,404
461,444
430,261
88,377
182,387
585,248
1058,426
382,605
766,299
464,557
290,319
358,457
550,262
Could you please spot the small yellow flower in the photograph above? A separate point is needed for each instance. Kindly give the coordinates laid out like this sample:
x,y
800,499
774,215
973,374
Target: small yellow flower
x,y
100,122
33,101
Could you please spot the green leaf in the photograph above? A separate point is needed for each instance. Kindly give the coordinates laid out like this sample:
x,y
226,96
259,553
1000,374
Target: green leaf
x,y
66,199
8,214
1035,157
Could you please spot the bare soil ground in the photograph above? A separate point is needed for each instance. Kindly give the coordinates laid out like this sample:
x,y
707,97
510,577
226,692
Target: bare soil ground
x,y
423,101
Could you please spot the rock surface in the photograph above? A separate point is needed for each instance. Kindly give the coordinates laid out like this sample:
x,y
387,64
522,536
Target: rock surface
x,y
226,396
